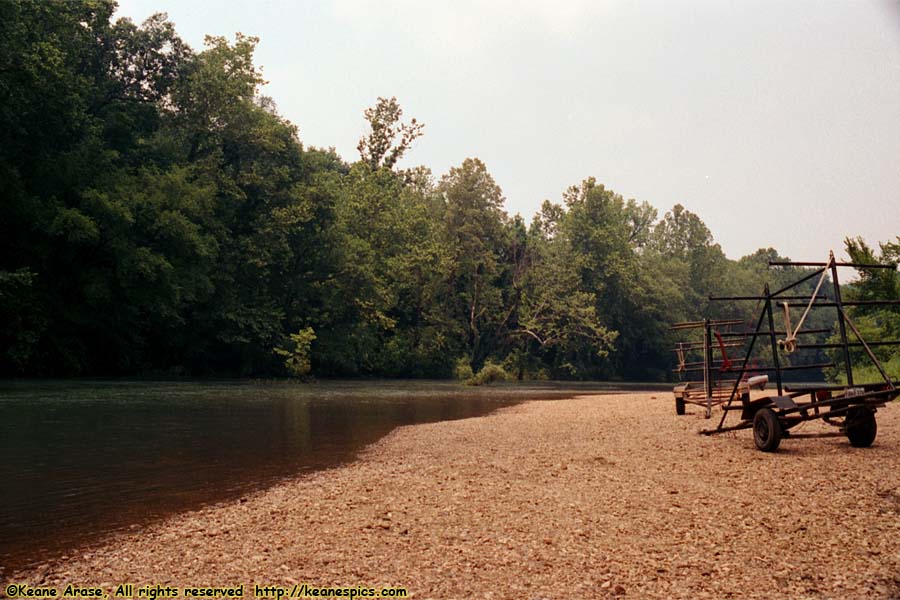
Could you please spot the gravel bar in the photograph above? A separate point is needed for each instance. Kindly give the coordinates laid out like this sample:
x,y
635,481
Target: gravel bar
x,y
595,497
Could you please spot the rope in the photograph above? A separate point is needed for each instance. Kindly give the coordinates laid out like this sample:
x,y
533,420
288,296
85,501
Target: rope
x,y
789,343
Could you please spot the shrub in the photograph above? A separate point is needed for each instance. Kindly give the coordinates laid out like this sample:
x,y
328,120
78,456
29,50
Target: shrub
x,y
489,373
462,370
539,375
865,371
296,361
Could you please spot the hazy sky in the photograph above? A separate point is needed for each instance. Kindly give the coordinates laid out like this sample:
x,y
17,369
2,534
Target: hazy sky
x,y
777,122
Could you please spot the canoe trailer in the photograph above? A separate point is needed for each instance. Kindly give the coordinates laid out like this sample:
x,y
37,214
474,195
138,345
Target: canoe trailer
x,y
850,408
715,386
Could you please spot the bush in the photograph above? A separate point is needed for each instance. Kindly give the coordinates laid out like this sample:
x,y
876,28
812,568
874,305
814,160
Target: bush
x,y
296,361
865,371
539,375
489,373
462,370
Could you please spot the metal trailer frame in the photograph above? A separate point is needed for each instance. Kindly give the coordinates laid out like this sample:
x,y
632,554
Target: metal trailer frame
x,y
714,388
851,408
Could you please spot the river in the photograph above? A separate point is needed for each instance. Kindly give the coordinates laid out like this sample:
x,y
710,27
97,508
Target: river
x,y
81,459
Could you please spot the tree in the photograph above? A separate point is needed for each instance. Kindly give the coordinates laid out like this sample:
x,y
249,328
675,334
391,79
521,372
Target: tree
x,y
296,359
160,216
475,230
681,233
389,139
876,323
875,284
78,104
682,237
557,320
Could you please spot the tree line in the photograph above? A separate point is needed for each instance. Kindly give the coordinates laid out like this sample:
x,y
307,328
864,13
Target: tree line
x,y
160,217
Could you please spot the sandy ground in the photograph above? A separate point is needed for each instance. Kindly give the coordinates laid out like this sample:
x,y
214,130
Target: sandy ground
x,y
594,497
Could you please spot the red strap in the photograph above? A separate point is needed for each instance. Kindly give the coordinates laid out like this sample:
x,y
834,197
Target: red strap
x,y
726,364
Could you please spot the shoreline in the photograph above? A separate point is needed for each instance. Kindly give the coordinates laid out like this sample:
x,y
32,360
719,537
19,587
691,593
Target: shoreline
x,y
45,519
596,496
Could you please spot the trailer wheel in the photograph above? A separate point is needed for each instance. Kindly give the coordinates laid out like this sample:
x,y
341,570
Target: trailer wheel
x,y
679,406
861,427
766,430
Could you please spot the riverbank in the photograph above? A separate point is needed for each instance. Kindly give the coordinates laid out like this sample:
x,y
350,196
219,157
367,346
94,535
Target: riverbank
x,y
82,459
591,497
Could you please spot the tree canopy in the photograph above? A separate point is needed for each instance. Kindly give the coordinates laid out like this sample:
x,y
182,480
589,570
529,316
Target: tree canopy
x,y
160,217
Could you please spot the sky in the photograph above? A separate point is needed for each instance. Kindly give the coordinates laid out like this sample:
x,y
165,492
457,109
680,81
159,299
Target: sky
x,y
777,122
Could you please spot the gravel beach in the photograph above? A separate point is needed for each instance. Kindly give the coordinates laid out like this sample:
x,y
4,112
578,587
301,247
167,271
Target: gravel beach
x,y
593,497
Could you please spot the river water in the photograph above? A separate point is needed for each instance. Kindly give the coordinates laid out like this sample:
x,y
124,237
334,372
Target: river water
x,y
81,459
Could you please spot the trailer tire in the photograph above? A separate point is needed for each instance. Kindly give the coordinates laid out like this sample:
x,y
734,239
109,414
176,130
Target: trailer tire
x,y
766,430
861,427
679,406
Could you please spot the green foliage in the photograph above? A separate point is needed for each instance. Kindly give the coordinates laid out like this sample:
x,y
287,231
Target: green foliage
x,y
875,323
558,316
476,236
462,370
297,359
24,322
865,372
159,215
523,365
389,139
607,236
490,373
